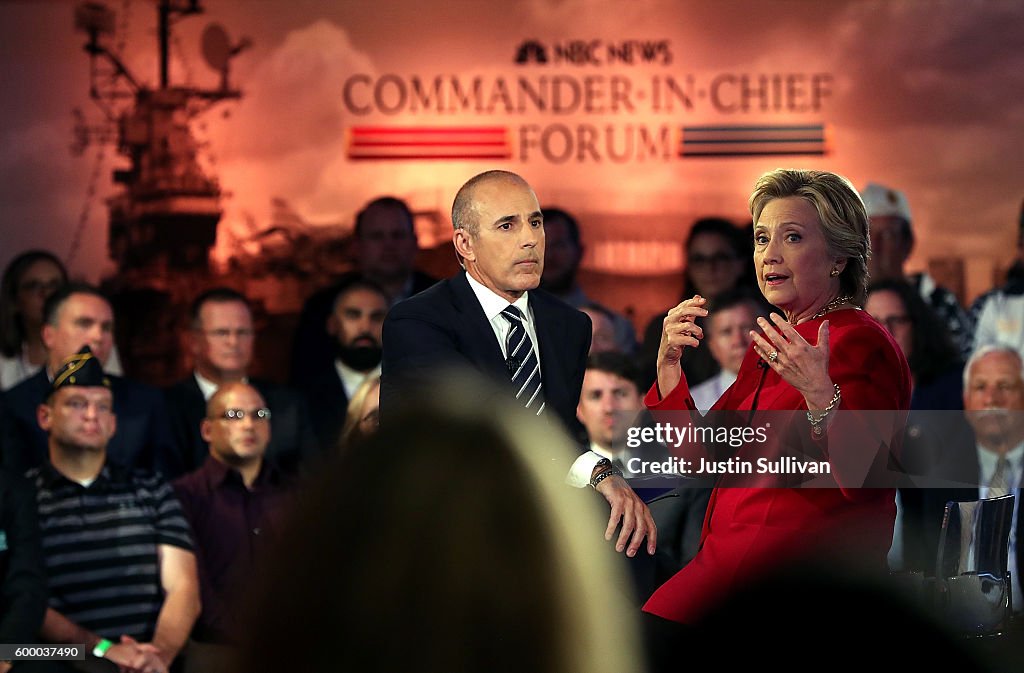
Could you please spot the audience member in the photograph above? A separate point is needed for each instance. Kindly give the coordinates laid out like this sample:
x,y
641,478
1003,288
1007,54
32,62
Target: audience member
x,y
118,555
717,260
75,315
384,251
610,403
355,325
563,252
602,329
936,378
362,417
22,578
892,240
233,504
999,314
221,343
492,319
503,576
935,365
732,316
981,458
28,281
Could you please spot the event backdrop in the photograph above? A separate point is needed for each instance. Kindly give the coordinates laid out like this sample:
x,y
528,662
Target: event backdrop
x,y
626,113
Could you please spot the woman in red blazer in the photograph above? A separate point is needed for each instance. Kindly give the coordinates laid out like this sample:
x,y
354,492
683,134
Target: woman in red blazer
x,y
804,377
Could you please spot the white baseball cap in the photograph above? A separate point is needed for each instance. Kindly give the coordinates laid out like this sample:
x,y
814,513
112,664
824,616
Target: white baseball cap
x,y
882,201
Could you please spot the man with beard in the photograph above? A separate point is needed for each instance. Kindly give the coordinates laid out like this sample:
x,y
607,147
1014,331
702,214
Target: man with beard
x,y
985,456
221,342
355,326
383,249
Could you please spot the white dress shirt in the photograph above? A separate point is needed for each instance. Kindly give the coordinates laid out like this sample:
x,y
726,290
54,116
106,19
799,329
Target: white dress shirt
x,y
493,304
351,379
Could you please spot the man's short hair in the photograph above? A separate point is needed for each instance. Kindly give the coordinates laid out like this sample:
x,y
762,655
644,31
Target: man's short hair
x,y
619,364
53,303
383,202
989,349
738,296
217,295
357,282
571,224
464,207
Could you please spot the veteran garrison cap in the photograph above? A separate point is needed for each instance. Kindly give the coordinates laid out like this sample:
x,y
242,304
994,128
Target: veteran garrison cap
x,y
81,369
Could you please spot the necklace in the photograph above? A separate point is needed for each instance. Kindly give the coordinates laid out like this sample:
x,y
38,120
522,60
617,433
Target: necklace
x,y
833,305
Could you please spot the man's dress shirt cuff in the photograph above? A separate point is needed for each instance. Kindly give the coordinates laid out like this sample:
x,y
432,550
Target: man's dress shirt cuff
x,y
581,471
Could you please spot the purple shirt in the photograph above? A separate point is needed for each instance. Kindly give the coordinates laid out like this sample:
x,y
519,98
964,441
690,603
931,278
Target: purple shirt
x,y
233,527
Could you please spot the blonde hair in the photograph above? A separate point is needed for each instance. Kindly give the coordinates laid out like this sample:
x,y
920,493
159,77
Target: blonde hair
x,y
448,542
350,431
841,213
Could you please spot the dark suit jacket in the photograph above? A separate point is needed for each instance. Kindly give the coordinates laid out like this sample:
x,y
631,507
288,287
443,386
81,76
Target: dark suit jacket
x,y
291,436
327,402
445,327
22,574
143,438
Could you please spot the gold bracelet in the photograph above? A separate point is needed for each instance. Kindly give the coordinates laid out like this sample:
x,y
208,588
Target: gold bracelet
x,y
816,422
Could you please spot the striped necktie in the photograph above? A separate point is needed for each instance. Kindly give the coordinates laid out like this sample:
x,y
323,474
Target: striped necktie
x,y
998,486
523,366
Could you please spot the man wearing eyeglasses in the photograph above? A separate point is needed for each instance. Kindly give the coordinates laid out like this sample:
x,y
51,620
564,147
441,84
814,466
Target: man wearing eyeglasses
x,y
233,504
221,342
74,316
117,550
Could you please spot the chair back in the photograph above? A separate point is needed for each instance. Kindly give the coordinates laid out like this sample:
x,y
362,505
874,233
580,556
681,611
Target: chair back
x,y
975,537
973,593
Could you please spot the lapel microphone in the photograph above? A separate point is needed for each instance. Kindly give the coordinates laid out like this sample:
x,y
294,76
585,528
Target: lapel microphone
x,y
512,363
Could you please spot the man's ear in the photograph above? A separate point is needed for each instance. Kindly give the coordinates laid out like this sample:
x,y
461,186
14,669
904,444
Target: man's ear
x,y
48,335
206,430
332,324
44,416
464,245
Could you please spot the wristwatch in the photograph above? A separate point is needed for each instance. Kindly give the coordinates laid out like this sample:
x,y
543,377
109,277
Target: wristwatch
x,y
602,466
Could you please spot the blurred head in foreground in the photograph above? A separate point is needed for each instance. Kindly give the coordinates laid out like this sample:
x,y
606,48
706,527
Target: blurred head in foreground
x,y
446,542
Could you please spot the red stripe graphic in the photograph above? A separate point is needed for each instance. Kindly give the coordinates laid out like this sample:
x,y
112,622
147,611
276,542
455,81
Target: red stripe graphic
x,y
428,142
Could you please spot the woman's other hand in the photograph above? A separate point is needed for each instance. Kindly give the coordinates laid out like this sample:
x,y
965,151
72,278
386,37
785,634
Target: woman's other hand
x,y
801,365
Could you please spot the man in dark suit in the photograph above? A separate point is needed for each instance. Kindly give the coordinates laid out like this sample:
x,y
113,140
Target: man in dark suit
x,y
492,319
978,456
221,343
355,325
74,316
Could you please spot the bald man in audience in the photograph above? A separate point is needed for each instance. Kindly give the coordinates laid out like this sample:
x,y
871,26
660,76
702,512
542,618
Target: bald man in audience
x,y
233,504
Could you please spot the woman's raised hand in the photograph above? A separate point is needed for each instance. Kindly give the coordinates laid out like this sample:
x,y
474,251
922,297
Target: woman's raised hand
x,y
678,331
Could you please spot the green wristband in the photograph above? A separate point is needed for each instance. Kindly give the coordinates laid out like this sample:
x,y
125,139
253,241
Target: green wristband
x,y
101,648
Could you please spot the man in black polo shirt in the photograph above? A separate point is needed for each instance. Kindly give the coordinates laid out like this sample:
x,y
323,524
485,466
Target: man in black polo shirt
x,y
118,556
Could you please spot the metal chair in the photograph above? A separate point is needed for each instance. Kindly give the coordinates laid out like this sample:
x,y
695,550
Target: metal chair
x,y
973,594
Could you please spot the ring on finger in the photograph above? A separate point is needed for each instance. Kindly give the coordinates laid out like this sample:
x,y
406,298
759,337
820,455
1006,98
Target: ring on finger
x,y
773,356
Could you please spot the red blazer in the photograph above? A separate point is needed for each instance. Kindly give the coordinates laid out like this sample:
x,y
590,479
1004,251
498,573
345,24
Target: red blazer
x,y
750,530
